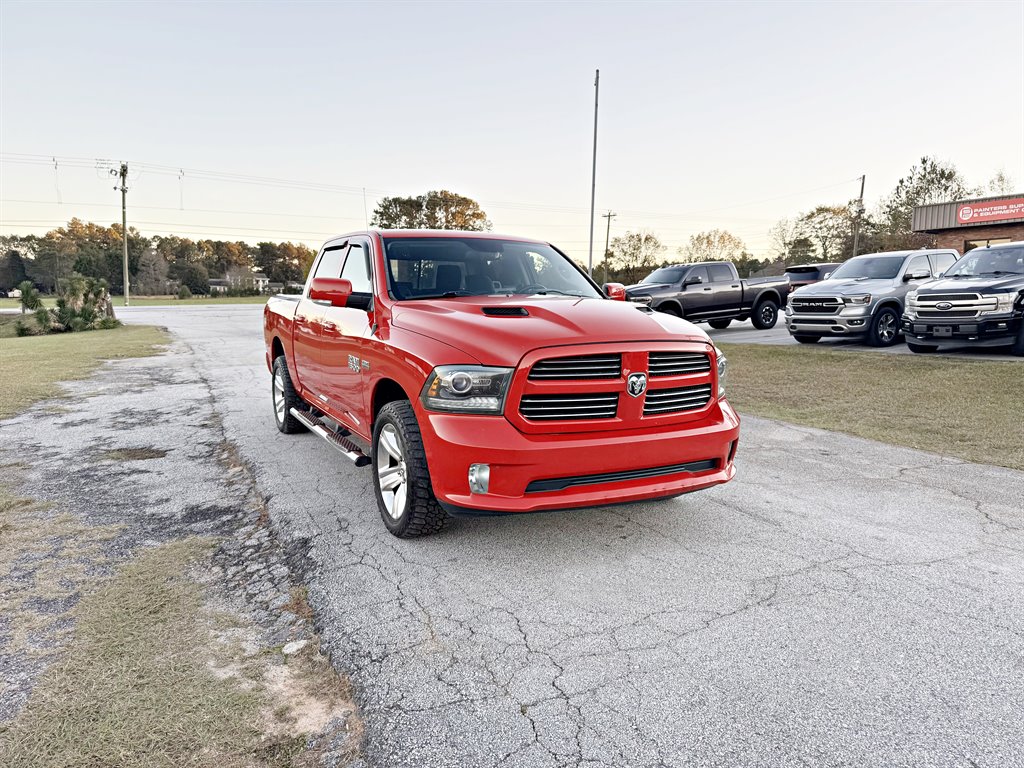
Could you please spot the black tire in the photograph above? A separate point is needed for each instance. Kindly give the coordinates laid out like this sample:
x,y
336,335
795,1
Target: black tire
x,y
765,314
1018,346
670,309
284,398
921,349
804,338
885,328
420,514
720,324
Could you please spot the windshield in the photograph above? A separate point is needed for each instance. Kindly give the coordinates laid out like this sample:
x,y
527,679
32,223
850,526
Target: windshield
x,y
665,275
871,267
989,261
446,267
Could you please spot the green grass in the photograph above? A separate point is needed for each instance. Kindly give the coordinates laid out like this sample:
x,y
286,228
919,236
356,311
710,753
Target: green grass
x,y
149,301
969,409
32,366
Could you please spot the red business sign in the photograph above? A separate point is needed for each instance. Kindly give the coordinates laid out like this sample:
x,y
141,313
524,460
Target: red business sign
x,y
993,210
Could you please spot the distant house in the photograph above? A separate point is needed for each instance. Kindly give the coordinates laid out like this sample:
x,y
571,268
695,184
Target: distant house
x,y
275,287
219,285
242,279
262,281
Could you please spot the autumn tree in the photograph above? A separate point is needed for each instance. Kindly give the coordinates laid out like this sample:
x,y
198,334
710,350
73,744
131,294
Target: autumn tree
x,y
283,262
829,227
714,245
635,254
12,263
933,181
433,210
152,275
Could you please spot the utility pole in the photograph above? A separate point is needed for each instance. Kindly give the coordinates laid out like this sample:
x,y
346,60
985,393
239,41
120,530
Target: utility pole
x,y
123,175
607,240
593,176
857,218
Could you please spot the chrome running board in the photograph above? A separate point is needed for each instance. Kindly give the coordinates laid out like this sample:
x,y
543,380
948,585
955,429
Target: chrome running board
x,y
336,438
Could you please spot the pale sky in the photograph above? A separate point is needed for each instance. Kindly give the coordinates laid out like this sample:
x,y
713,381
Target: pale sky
x,y
728,114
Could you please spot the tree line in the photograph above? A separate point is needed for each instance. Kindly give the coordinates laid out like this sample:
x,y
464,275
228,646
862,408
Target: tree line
x,y
156,265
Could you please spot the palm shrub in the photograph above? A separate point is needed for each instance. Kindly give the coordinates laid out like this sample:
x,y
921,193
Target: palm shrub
x,y
30,300
84,304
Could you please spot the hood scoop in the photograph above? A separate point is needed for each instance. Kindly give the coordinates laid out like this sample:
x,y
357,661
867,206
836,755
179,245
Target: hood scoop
x,y
506,311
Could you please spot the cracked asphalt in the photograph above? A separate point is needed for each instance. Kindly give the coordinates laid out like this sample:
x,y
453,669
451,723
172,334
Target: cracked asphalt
x,y
841,603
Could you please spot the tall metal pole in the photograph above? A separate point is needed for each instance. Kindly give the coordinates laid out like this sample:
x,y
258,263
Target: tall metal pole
x,y
593,176
607,241
123,175
860,213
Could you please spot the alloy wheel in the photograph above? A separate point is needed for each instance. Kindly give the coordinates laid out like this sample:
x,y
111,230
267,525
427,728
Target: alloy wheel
x,y
279,398
887,327
391,471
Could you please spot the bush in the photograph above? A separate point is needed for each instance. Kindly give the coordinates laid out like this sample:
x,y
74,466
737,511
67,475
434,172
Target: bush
x,y
21,328
83,305
184,292
30,300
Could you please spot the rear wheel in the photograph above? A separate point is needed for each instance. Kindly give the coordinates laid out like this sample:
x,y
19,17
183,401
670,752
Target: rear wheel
x,y
804,338
765,315
921,349
285,398
885,328
402,486
720,324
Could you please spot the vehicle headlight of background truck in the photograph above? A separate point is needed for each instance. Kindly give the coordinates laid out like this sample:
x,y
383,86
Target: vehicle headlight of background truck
x,y
466,389
1004,303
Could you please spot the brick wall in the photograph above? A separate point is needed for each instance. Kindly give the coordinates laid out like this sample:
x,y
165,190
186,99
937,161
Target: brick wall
x,y
955,238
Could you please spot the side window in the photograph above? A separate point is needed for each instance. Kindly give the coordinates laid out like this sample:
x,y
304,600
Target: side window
x,y
720,273
941,262
330,262
701,272
918,264
357,269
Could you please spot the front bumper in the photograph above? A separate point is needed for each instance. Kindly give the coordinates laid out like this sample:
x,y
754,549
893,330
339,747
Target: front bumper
x,y
987,331
570,462
850,321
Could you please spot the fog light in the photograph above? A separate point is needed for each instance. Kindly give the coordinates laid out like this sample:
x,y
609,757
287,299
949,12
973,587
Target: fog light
x,y
479,477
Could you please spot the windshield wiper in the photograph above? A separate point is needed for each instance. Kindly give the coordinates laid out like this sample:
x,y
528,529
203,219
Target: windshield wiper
x,y
555,290
445,295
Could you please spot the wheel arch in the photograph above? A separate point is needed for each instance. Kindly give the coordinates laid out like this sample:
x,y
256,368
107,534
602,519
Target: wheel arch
x,y
672,305
767,294
385,391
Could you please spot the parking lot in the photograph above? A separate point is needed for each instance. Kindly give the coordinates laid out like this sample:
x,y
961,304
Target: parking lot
x,y
843,602
745,333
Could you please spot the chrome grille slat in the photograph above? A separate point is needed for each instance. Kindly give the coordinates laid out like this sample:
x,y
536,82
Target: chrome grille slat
x,y
582,367
663,401
597,405
677,363
825,305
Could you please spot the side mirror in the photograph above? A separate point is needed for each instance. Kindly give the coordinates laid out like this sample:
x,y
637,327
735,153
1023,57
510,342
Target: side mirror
x,y
695,280
331,289
919,275
616,291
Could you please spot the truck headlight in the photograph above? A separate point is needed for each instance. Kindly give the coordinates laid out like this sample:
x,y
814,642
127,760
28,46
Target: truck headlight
x,y
859,300
911,297
466,389
1004,303
723,364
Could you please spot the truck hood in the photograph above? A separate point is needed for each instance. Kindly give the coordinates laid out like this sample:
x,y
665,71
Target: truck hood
x,y
846,287
647,289
994,283
550,322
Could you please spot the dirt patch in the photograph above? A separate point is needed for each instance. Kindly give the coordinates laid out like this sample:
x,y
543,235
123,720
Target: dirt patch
x,y
134,454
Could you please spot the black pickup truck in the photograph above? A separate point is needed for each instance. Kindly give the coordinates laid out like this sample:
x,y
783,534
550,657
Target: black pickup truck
x,y
712,292
978,302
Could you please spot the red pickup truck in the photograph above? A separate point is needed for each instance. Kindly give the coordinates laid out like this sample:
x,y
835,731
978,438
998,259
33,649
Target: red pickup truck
x,y
487,374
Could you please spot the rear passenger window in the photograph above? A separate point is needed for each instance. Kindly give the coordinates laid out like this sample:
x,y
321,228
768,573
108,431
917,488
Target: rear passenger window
x,y
330,263
357,269
941,262
720,273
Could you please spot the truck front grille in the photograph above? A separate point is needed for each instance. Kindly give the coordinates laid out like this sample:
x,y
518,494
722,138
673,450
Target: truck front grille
x,y
677,363
586,367
590,405
661,401
938,314
955,306
827,305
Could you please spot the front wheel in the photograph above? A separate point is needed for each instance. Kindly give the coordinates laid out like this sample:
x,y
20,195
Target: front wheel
x,y
885,328
720,324
806,338
284,396
765,315
402,486
670,309
921,349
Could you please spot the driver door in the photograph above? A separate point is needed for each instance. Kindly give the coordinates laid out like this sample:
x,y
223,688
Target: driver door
x,y
308,327
344,338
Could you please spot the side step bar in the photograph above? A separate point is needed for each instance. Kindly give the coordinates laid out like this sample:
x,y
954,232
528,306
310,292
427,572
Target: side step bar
x,y
350,450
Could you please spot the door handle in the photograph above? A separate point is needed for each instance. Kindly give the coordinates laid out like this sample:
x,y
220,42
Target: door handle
x,y
734,286
707,289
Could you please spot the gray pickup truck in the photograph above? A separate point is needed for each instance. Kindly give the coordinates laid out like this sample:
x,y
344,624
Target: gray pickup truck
x,y
712,292
864,296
